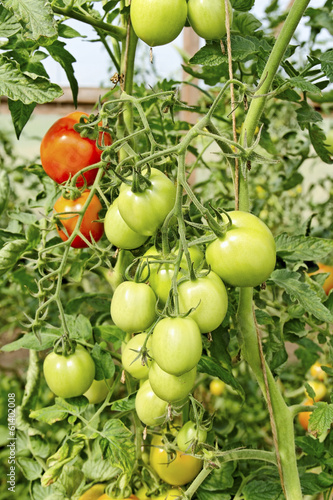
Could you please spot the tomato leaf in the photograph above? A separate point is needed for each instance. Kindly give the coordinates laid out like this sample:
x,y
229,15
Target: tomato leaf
x,y
50,414
117,445
30,468
212,367
36,17
327,64
10,254
321,418
242,4
105,367
302,248
58,52
302,293
263,490
318,140
30,341
20,114
4,190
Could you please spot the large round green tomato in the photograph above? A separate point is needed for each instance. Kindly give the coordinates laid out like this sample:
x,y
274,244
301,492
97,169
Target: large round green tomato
x,y
158,22
176,345
171,388
207,18
131,359
118,232
133,306
145,211
69,376
245,255
98,391
209,298
150,409
190,435
183,469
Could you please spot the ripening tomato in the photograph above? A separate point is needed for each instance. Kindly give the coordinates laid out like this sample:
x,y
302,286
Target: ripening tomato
x,y
93,493
131,359
176,345
217,387
183,469
118,232
319,388
208,18
144,211
304,416
133,306
106,497
317,372
328,283
245,255
208,296
64,152
189,435
158,23
68,211
98,391
150,409
171,388
69,376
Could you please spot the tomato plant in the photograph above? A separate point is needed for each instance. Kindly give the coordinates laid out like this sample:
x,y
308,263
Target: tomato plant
x,y
158,24
176,345
190,436
71,375
133,306
64,152
145,210
245,255
131,356
67,216
118,232
178,471
208,19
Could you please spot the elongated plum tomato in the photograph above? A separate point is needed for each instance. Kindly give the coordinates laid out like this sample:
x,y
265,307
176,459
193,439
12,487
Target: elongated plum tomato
x,y
176,344
207,18
171,388
69,376
183,469
98,391
158,22
64,152
93,493
245,255
208,296
68,211
150,409
133,306
144,211
118,232
130,357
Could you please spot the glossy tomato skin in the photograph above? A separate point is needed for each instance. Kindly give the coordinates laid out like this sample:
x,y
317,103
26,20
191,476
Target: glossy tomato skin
x,y
208,18
217,387
150,409
145,211
93,493
64,152
176,345
90,227
182,470
129,356
328,283
69,376
98,391
118,232
171,388
245,255
208,296
133,306
317,372
319,388
189,435
158,23
304,416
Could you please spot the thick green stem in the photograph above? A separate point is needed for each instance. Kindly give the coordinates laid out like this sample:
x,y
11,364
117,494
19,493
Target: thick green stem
x,y
282,416
269,72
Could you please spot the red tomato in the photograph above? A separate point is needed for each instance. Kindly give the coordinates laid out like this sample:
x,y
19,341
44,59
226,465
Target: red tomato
x,y
64,152
90,227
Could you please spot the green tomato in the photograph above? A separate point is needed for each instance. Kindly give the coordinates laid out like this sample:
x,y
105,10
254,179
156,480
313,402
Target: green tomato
x,y
131,359
145,211
176,345
171,388
329,141
118,232
98,391
150,409
69,376
207,18
245,255
189,435
209,298
158,23
133,306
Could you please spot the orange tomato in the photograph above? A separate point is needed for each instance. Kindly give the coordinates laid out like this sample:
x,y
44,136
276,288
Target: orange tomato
x,y
304,416
328,283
